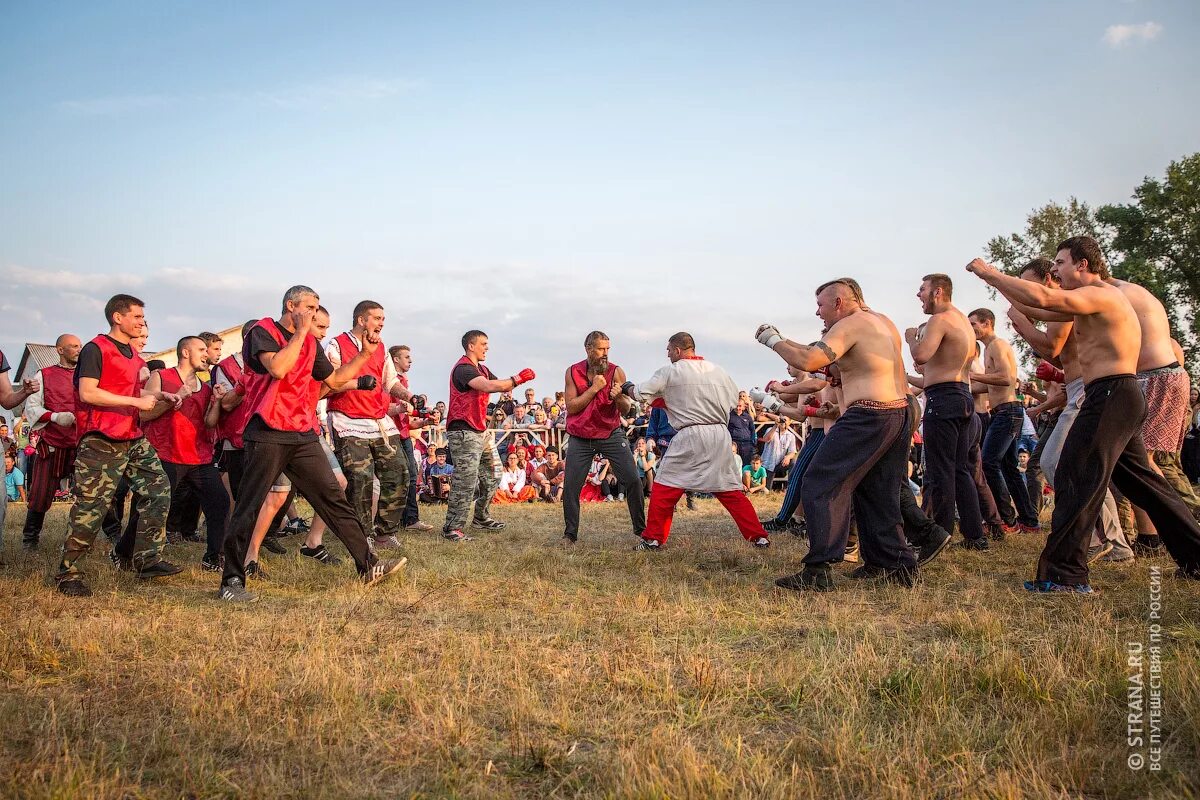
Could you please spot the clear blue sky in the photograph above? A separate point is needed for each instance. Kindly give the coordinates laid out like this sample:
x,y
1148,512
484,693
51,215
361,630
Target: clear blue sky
x,y
539,170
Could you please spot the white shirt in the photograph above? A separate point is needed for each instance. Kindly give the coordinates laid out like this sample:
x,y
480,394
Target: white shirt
x,y
778,447
362,428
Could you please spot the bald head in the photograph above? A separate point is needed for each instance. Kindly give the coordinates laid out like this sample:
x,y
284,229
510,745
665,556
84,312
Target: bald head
x,y
68,347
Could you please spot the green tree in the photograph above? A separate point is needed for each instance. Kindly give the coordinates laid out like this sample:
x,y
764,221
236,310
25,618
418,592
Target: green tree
x,y
1155,241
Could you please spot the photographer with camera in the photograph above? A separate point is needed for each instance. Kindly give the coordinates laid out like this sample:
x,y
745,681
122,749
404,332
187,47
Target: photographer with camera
x,y
408,416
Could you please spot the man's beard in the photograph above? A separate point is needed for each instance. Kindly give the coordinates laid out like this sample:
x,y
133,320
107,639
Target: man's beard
x,y
597,367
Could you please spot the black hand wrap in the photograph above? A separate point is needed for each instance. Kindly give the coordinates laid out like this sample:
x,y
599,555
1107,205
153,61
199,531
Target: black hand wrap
x,y
627,388
367,382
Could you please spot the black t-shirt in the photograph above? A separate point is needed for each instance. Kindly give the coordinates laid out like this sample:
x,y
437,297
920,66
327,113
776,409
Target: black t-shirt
x,y
461,377
261,341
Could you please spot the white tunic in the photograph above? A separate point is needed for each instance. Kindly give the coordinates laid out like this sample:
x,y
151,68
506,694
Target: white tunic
x,y
699,396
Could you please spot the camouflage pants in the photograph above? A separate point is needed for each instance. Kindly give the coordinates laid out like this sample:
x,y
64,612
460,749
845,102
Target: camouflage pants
x,y
476,476
1172,470
99,465
364,460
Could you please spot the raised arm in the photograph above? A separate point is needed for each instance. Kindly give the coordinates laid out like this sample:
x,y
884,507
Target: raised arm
x,y
1081,301
812,357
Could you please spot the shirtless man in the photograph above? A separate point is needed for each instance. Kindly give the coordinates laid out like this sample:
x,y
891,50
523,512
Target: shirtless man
x,y
945,351
862,460
804,398
1105,442
1057,342
1166,386
1004,431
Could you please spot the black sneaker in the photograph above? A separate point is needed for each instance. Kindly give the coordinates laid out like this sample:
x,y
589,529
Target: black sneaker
x,y
933,546
256,571
271,544
234,592
1151,548
691,503
1188,573
899,576
997,532
774,526
119,561
488,524
296,525
212,563
159,569
975,544
798,528
174,537
652,545
809,579
319,553
29,544
74,587
381,570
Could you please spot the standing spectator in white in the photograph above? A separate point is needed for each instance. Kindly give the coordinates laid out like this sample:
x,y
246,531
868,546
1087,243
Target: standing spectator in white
x,y
780,449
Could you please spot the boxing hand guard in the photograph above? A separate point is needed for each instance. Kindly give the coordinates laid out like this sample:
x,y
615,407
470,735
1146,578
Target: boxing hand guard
x,y
524,376
768,336
1048,372
64,419
768,401
629,389
367,382
812,411
813,402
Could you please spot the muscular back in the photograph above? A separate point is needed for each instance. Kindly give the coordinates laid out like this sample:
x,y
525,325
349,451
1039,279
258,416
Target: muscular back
x,y
871,363
1156,350
956,350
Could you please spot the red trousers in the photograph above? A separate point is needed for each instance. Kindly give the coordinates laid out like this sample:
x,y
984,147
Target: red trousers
x,y
49,468
662,508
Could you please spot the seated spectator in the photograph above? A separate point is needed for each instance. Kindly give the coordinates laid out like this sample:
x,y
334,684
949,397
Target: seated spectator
x,y
437,477
754,476
513,487
548,478
591,492
645,461
520,418
539,456
435,432
14,480
779,450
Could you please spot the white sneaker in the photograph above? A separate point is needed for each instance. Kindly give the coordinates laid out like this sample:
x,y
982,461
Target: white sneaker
x,y
621,496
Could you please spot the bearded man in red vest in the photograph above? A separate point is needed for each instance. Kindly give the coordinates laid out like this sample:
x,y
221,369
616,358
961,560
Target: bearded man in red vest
x,y
366,439
595,406
51,411
184,438
109,395
285,370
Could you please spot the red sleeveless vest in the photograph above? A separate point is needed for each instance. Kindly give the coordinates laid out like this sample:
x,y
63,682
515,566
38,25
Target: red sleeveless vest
x,y
118,375
58,394
233,422
601,416
358,403
469,406
290,403
180,435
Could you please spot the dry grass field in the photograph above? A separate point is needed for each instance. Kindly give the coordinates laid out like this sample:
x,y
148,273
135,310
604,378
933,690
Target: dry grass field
x,y
511,667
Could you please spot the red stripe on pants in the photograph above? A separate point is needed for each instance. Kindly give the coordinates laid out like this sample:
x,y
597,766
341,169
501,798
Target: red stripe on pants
x,y
662,509
49,468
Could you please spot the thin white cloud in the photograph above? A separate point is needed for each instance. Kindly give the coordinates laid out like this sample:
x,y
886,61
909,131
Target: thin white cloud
x,y
113,105
1117,36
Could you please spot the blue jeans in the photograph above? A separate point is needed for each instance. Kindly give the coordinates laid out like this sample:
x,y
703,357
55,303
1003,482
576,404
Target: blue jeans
x,y
1000,465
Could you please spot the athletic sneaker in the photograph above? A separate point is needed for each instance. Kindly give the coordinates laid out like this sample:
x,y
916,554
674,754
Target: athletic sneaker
x,y
1050,587
74,587
774,526
119,561
1023,528
811,579
174,537
1151,548
257,571
457,536
761,541
193,537
851,555
234,592
296,525
387,542
319,553
1099,551
488,524
621,496
271,544
975,544
798,528
159,569
381,570
898,576
934,546
648,544
211,563
419,526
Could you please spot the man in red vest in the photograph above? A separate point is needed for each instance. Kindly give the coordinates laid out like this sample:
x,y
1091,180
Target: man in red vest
x,y
227,374
476,471
184,438
108,398
595,406
285,369
51,410
399,411
366,439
